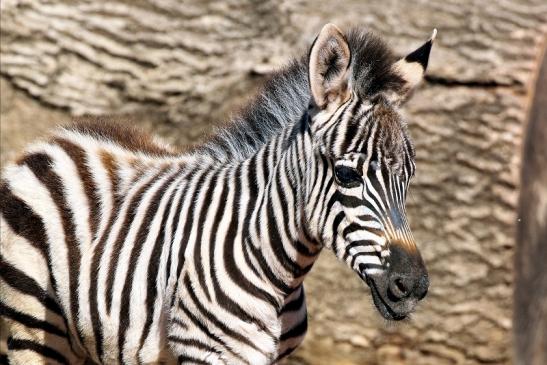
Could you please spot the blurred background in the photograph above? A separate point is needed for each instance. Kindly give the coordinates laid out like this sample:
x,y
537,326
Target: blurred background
x,y
177,68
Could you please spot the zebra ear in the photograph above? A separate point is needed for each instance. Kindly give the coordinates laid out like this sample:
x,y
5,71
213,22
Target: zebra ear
x,y
329,60
412,68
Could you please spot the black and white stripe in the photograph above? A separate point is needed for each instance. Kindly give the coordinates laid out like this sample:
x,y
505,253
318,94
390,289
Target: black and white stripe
x,y
116,250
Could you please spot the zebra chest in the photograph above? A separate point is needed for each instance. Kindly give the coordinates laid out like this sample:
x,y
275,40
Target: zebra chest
x,y
213,333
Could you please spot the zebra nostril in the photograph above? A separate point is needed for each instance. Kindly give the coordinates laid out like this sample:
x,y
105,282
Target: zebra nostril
x,y
399,287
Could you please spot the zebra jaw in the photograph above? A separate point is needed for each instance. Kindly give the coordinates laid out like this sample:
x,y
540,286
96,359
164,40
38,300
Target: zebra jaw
x,y
399,286
385,310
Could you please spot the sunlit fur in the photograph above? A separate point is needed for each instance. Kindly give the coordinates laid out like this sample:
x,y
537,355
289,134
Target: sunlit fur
x,y
117,249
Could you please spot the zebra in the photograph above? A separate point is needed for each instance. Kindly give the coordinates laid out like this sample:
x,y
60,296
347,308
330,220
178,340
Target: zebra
x,y
117,248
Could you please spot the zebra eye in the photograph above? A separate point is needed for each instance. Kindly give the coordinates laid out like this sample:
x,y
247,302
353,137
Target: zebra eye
x,y
347,176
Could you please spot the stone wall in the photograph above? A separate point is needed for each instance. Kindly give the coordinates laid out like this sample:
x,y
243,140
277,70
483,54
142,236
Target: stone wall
x,y
177,68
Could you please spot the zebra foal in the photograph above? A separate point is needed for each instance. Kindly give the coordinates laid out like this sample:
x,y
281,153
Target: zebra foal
x,y
116,249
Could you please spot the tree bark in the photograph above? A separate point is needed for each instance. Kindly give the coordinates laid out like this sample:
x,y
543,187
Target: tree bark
x,y
530,315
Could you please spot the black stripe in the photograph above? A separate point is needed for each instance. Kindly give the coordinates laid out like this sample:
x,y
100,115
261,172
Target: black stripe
x,y
15,344
40,164
248,210
353,227
140,239
328,123
348,201
326,208
27,285
24,222
188,221
98,252
22,219
363,267
298,246
153,285
192,343
248,261
351,132
233,271
337,220
278,283
276,243
179,323
196,322
296,331
295,304
376,231
359,254
174,225
265,164
214,320
325,164
371,126
363,243
79,157
189,360
200,223
122,236
367,218
30,321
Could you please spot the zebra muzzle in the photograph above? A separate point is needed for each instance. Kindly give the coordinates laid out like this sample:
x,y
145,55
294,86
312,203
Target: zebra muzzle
x,y
397,290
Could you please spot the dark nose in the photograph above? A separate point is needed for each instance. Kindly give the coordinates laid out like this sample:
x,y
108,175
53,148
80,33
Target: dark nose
x,y
407,277
403,286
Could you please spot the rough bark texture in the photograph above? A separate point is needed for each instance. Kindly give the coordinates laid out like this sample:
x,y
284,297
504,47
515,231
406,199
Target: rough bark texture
x,y
179,67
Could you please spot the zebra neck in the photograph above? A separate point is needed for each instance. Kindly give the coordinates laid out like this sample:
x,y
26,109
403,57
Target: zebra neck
x,y
282,251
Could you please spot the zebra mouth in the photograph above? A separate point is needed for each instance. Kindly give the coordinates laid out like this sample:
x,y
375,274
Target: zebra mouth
x,y
383,307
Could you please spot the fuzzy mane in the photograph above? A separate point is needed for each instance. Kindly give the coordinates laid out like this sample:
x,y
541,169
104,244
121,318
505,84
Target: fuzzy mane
x,y
286,96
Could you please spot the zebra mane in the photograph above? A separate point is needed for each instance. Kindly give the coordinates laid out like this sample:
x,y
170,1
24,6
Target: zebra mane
x,y
286,96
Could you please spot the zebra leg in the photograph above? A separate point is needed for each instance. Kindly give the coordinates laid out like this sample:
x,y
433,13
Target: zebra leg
x,y
32,326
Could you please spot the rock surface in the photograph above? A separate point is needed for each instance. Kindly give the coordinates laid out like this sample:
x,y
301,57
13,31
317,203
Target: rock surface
x,y
177,68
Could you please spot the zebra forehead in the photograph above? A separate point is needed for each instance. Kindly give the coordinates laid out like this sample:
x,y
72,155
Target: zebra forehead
x,y
393,129
384,133
376,126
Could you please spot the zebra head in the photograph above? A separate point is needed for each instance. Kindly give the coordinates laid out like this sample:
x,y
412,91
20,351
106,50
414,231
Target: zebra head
x,y
365,163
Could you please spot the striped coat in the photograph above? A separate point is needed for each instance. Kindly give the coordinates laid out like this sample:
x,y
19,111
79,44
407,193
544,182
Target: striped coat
x,y
117,249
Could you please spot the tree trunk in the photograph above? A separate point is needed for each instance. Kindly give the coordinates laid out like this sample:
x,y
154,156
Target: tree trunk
x,y
530,316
